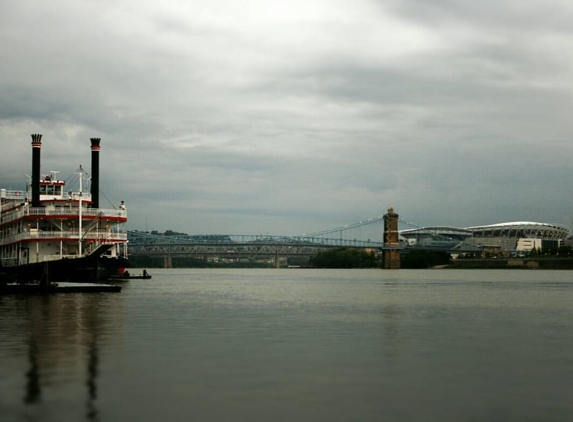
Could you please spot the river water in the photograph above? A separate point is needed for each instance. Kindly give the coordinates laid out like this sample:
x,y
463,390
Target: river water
x,y
295,345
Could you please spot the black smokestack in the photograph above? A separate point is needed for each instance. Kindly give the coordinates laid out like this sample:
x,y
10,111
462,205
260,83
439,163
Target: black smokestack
x,y
95,172
36,149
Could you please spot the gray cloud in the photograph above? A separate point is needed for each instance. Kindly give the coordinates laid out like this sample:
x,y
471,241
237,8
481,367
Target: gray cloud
x,y
250,117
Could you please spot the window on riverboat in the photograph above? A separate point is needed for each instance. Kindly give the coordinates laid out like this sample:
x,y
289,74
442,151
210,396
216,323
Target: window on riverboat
x,y
51,190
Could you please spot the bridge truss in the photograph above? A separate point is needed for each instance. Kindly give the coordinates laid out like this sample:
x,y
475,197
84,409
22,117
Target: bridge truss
x,y
258,247
236,247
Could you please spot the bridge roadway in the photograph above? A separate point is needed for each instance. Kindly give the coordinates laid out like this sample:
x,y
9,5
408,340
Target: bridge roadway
x,y
252,247
255,247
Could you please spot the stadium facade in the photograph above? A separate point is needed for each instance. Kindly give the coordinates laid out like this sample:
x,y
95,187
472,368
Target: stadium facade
x,y
503,238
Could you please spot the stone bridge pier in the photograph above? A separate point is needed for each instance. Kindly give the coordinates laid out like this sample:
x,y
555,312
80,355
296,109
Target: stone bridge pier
x,y
391,254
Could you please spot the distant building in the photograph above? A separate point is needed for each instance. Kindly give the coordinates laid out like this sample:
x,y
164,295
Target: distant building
x,y
503,238
525,244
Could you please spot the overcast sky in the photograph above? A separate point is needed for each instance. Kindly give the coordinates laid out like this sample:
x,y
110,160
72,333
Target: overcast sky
x,y
232,116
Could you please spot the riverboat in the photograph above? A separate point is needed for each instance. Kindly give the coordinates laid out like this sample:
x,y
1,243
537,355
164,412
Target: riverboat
x,y
52,232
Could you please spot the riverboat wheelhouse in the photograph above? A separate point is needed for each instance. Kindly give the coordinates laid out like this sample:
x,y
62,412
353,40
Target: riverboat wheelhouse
x,y
49,232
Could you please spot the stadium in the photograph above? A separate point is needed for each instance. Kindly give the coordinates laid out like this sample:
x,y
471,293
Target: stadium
x,y
503,238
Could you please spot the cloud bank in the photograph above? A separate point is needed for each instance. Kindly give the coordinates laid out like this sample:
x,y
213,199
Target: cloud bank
x,y
254,117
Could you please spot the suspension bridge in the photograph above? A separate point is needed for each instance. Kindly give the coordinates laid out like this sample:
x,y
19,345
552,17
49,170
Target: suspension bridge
x,y
366,234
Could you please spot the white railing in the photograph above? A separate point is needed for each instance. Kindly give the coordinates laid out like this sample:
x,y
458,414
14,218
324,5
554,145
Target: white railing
x,y
61,212
91,236
13,262
56,257
13,194
9,262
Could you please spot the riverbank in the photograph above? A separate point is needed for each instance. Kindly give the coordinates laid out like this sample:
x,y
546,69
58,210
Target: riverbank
x,y
513,263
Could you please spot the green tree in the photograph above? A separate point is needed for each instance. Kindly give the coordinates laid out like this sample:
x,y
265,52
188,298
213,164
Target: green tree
x,y
421,259
345,258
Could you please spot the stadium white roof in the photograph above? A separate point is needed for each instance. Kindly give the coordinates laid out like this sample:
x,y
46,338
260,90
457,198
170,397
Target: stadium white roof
x,y
510,229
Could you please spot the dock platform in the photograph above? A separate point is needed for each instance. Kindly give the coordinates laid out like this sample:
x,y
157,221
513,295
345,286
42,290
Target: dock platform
x,y
33,289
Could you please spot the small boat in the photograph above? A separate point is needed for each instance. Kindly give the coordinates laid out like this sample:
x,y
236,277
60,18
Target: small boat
x,y
127,276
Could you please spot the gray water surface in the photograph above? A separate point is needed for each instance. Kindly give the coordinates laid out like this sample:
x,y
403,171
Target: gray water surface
x,y
295,345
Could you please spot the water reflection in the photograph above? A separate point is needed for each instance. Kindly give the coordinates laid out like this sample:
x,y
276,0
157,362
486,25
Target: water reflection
x,y
92,372
63,335
390,325
33,391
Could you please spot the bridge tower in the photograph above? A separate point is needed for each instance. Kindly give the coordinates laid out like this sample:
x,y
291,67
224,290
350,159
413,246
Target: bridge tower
x,y
391,242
